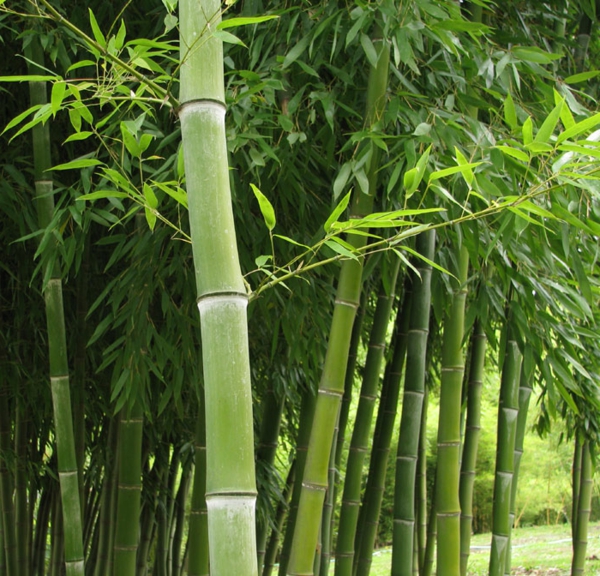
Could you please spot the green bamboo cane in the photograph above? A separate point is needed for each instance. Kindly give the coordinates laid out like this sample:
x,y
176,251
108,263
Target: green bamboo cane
x,y
583,511
508,411
361,434
57,343
9,541
412,407
178,522
525,389
471,443
265,456
448,441
576,482
129,491
421,491
106,524
307,410
429,554
273,545
21,493
41,531
368,522
222,297
57,552
331,387
198,523
328,515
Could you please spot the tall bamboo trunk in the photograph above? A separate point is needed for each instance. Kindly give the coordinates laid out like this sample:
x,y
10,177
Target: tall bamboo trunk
x,y
471,443
366,533
307,411
222,297
265,456
583,510
198,523
359,444
57,342
331,387
524,397
575,482
508,411
448,441
129,491
412,406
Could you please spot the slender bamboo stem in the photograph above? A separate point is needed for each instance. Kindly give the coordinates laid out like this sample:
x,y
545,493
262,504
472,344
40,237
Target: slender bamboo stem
x,y
508,411
359,444
368,522
57,345
583,511
448,442
524,397
412,407
198,523
471,444
331,387
307,410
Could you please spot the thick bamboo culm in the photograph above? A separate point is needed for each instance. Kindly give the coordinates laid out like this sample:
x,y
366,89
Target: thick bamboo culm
x,y
222,297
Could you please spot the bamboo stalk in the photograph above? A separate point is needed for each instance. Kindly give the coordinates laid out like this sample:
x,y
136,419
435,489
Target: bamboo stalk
x,y
198,523
57,345
368,522
283,505
222,297
331,387
508,411
583,508
524,397
307,410
471,443
359,444
129,491
412,408
448,462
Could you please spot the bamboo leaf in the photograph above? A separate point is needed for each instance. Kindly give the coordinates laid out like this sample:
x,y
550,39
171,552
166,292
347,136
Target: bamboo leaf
x,y
57,96
96,30
580,127
338,246
100,194
79,163
527,131
296,52
244,21
266,207
337,212
78,136
427,260
534,54
29,78
341,180
581,77
549,124
150,218
228,37
369,49
510,112
151,198
18,119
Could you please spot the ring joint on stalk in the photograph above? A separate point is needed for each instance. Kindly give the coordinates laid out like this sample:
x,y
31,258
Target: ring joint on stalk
x,y
232,494
211,297
201,103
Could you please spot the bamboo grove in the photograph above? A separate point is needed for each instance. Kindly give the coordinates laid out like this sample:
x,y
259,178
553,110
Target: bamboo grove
x,y
246,245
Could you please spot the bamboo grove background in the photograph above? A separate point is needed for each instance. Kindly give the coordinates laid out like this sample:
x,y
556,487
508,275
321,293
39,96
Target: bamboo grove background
x,y
401,197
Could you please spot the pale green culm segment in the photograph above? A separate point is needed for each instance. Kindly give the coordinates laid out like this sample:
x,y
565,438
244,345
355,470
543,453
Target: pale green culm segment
x,y
222,298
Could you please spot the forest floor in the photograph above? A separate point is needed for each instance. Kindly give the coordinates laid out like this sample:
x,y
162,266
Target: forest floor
x,y
537,551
